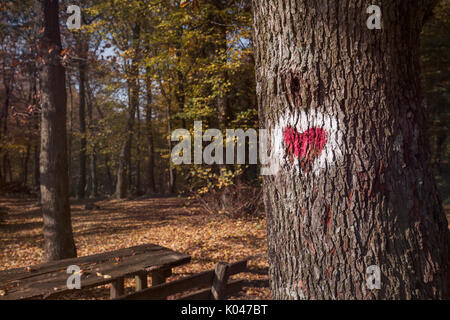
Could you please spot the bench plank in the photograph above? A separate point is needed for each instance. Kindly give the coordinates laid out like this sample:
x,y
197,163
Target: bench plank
x,y
196,281
162,291
233,287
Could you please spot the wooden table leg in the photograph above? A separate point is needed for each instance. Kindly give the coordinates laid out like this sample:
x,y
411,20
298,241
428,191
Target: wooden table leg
x,y
219,286
159,276
117,288
141,281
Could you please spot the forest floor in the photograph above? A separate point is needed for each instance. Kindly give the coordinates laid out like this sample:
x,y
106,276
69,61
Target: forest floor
x,y
116,224
208,239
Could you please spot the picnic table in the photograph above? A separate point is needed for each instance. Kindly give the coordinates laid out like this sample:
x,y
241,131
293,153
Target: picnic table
x,y
49,280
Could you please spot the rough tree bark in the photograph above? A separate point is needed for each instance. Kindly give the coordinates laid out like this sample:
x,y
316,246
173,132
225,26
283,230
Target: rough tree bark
x,y
355,188
54,178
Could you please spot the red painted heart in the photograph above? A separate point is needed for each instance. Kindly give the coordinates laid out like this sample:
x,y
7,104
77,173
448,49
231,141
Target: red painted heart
x,y
307,145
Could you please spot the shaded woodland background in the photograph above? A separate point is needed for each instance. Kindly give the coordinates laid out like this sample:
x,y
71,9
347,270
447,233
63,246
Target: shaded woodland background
x,y
136,71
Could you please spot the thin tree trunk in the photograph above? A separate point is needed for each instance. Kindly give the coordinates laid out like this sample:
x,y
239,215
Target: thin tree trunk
x,y
121,185
222,100
4,124
58,237
172,169
82,73
36,174
108,173
25,166
93,174
440,145
355,187
36,144
7,167
151,188
70,133
161,177
93,179
124,169
138,153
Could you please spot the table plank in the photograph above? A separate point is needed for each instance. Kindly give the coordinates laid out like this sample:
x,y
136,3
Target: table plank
x,y
25,272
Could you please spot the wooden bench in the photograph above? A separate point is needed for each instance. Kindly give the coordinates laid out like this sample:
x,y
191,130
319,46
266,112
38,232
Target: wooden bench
x,y
49,280
210,285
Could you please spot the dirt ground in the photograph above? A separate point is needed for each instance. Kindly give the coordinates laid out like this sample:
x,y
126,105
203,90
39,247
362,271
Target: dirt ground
x,y
120,224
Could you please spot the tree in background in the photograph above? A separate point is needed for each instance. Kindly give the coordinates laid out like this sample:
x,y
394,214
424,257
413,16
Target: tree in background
x,y
435,58
58,237
186,61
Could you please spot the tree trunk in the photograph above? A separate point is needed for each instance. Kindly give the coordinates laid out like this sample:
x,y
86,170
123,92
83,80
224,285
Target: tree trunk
x,y
355,187
109,175
4,121
7,167
172,170
440,147
93,174
4,114
69,134
36,174
133,98
121,185
82,72
138,153
36,144
58,237
93,178
161,176
151,188
222,99
26,159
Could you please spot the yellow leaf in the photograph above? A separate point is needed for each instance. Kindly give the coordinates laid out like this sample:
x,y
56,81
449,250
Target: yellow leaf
x,y
184,3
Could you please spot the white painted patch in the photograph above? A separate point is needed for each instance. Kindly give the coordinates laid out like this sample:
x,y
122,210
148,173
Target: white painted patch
x,y
302,121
